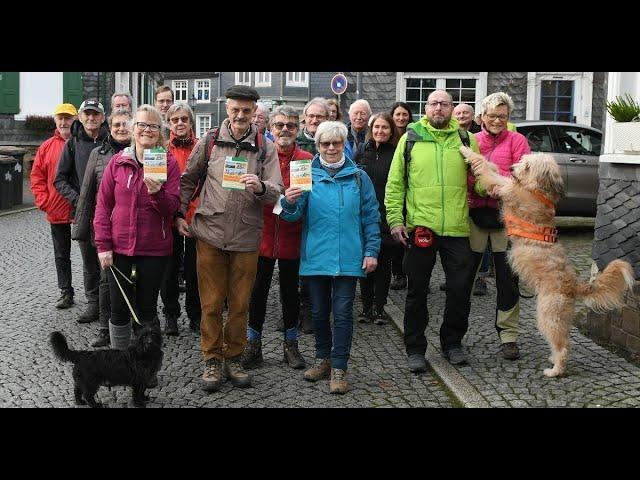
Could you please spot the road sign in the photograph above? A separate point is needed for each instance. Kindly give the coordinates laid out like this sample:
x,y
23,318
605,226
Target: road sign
x,y
339,84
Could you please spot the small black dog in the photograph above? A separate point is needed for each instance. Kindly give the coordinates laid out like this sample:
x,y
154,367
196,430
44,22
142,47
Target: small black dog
x,y
136,366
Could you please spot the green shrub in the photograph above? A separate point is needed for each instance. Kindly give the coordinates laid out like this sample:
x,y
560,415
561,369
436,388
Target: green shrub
x,y
624,109
40,123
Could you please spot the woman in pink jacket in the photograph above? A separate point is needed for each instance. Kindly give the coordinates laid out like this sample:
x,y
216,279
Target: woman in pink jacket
x,y
503,148
133,226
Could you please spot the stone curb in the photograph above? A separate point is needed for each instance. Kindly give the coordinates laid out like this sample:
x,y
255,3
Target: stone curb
x,y
456,383
9,212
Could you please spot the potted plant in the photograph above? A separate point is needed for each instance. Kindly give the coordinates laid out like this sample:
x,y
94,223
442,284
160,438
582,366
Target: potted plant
x,y
626,130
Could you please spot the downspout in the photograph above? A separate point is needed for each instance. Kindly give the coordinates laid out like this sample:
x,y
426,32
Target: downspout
x,y
358,84
219,94
281,88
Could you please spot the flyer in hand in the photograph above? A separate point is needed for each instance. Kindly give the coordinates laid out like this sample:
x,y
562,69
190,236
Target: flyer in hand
x,y
300,174
234,168
155,164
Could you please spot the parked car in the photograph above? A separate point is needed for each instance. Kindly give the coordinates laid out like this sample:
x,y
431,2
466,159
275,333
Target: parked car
x,y
576,148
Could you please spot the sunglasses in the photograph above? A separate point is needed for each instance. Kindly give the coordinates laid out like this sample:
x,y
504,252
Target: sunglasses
x,y
175,120
290,125
334,143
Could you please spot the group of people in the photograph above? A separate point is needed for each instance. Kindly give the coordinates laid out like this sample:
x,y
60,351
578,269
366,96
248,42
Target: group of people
x,y
387,195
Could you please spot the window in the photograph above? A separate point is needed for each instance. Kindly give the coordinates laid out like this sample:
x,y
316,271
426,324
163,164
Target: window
x,y
179,88
203,124
263,79
415,88
297,79
243,78
556,100
538,136
203,91
580,141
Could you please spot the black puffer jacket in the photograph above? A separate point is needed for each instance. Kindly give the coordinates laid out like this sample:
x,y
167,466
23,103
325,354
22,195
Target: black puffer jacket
x,y
73,161
376,162
99,158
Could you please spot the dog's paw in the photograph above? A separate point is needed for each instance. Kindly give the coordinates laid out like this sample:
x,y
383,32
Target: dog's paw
x,y
551,372
551,359
469,154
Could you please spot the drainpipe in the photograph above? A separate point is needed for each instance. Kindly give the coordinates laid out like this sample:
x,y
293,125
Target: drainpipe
x,y
219,94
281,87
358,84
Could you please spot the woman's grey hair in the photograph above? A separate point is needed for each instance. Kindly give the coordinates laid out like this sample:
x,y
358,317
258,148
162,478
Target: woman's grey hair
x,y
285,110
263,107
360,103
330,131
157,118
322,102
181,106
121,112
495,100
122,94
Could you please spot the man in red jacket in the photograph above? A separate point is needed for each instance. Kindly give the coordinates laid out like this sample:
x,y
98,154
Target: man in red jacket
x,y
57,208
281,242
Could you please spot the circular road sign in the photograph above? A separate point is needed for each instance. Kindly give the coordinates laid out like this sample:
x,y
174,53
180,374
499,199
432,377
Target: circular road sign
x,y
339,84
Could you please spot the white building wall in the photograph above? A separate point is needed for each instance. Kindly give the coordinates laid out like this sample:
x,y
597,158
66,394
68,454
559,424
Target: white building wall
x,y
40,93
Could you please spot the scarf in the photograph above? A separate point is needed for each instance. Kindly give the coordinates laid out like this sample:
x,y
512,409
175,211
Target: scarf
x,y
333,166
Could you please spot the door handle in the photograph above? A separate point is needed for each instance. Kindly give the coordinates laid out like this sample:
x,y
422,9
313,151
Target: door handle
x,y
577,160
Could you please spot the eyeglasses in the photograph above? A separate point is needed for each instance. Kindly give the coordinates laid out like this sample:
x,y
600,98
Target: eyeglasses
x,y
120,125
334,144
311,116
175,120
151,126
442,104
289,125
493,117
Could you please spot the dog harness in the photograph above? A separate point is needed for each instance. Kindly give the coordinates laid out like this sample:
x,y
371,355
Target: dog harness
x,y
520,228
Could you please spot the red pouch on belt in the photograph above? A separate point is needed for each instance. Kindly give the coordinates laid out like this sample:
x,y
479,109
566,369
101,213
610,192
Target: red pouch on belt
x,y
423,237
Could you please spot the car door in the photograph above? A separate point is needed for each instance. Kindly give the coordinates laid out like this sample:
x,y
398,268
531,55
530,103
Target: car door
x,y
579,150
541,141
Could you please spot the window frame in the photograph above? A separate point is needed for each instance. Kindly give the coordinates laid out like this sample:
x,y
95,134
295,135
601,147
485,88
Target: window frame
x,y
244,81
185,89
291,82
199,124
258,82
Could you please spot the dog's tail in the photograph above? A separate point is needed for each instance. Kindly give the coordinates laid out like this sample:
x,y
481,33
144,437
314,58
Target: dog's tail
x,y
608,289
61,349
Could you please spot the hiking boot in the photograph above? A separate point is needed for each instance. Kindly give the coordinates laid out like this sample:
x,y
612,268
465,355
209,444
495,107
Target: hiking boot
x,y
417,363
320,369
292,355
103,339
510,351
338,382
252,354
455,355
194,325
366,315
212,376
91,314
480,287
379,316
171,325
399,282
238,376
65,301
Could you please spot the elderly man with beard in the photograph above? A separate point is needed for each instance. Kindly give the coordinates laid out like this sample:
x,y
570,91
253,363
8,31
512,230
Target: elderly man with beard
x,y
227,226
437,221
281,242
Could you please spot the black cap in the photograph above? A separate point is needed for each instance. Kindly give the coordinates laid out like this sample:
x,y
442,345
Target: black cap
x,y
242,92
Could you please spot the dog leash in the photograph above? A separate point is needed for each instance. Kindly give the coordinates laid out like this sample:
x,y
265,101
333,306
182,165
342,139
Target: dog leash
x,y
135,317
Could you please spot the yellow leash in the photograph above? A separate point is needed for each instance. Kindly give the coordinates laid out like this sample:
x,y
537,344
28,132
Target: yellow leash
x,y
122,291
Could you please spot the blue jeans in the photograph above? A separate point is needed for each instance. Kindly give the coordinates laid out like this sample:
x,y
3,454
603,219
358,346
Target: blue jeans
x,y
333,294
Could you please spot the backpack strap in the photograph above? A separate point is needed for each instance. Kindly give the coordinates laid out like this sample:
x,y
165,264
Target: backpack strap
x,y
210,141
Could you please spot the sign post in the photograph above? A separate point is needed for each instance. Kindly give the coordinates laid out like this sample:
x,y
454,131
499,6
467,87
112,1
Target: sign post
x,y
339,85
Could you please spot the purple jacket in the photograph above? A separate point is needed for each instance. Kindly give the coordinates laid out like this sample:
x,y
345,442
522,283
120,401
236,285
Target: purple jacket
x,y
503,150
128,220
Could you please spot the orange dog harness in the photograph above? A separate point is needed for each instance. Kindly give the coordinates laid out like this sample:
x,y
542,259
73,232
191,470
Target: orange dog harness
x,y
520,228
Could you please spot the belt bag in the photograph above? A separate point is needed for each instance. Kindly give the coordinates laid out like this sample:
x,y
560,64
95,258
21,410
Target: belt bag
x,y
486,217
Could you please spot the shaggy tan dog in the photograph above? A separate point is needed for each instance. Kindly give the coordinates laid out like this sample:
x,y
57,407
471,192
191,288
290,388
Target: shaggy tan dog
x,y
528,200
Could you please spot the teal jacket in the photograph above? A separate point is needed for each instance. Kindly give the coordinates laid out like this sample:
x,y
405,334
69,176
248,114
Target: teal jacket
x,y
341,222
437,191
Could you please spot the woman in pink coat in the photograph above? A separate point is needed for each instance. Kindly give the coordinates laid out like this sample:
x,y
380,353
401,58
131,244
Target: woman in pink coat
x,y
133,226
503,148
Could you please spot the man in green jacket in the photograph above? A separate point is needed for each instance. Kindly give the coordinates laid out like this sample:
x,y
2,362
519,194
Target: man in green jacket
x,y
437,220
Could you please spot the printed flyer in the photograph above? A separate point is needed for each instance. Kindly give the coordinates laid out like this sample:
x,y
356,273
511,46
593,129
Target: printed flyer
x,y
234,168
300,174
155,164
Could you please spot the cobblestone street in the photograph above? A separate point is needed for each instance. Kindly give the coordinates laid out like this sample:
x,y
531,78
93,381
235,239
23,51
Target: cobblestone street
x,y
30,376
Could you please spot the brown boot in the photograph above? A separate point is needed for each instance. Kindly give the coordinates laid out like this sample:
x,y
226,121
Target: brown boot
x,y
338,382
292,355
212,376
236,374
321,369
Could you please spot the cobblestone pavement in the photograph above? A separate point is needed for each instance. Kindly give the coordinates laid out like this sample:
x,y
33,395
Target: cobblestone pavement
x,y
31,377
595,377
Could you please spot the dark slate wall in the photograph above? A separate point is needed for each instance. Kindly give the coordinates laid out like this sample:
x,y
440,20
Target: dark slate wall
x,y
515,85
599,99
378,88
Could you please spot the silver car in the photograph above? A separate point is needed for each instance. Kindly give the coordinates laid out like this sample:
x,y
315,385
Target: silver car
x,y
576,148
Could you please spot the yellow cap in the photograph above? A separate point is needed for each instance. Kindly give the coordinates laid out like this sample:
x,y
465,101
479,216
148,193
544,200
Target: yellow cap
x,y
67,108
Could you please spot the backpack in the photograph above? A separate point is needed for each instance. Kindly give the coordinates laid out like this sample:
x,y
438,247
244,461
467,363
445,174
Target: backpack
x,y
211,140
412,137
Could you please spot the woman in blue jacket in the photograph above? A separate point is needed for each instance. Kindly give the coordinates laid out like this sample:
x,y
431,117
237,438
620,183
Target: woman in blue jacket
x,y
340,243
